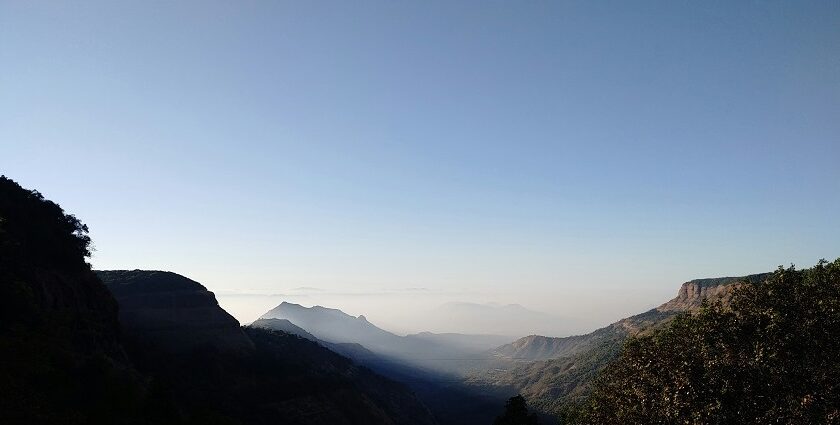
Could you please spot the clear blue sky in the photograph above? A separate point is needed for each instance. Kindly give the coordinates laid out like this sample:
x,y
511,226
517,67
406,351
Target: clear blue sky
x,y
561,151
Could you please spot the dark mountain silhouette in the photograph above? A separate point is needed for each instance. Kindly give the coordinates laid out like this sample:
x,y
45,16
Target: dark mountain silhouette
x,y
61,358
65,358
551,372
163,307
179,331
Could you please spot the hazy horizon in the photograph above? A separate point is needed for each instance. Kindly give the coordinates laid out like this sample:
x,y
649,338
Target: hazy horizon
x,y
581,159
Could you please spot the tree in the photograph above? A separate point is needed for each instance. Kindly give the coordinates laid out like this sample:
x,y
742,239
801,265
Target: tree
x,y
771,356
516,413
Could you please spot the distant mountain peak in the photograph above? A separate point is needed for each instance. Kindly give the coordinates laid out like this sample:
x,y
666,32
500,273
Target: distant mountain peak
x,y
329,324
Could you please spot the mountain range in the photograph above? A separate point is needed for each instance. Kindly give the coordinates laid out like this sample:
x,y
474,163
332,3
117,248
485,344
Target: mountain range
x,y
176,327
152,347
551,372
450,353
139,347
438,384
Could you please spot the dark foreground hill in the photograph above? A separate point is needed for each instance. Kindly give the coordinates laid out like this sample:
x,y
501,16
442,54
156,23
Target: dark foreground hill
x,y
61,358
178,333
177,359
172,312
448,398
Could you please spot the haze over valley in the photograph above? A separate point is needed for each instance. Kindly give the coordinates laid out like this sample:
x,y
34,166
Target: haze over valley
x,y
327,212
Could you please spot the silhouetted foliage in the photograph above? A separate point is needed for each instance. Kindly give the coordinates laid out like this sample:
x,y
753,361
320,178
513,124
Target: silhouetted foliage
x,y
60,356
772,357
36,232
516,413
64,359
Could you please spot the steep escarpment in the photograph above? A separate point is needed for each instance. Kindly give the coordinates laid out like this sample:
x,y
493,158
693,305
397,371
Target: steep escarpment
x,y
692,293
160,308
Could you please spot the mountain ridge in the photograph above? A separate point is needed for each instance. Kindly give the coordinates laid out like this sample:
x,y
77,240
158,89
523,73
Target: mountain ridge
x,y
689,297
159,307
177,330
424,350
551,372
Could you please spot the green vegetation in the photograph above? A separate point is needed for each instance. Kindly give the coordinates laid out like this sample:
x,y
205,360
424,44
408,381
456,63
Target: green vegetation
x,y
771,356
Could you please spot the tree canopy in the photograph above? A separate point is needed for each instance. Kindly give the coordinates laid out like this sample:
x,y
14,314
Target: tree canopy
x,y
771,356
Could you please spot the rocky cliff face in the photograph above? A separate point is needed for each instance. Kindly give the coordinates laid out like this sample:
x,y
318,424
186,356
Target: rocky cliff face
x,y
692,293
159,308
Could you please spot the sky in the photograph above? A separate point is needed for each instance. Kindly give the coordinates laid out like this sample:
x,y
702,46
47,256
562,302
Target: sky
x,y
579,158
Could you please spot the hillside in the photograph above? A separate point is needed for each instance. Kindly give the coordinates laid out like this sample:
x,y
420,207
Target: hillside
x,y
550,372
161,352
689,297
429,363
178,333
163,307
771,355
61,355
